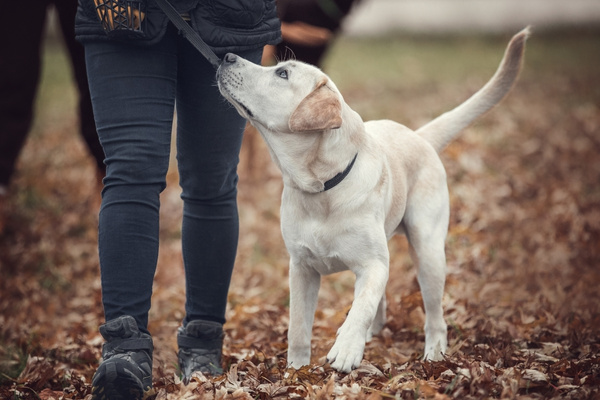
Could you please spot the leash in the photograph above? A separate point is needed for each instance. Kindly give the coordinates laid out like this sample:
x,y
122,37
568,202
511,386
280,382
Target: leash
x,y
186,30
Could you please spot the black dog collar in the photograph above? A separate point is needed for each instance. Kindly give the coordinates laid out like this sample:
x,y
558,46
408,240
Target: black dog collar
x,y
333,182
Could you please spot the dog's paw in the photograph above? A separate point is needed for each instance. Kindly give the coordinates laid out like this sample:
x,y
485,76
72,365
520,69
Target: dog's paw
x,y
435,351
297,362
346,355
436,340
298,357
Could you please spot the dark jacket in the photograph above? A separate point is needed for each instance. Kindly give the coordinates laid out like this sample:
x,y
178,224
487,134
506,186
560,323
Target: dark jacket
x,y
225,25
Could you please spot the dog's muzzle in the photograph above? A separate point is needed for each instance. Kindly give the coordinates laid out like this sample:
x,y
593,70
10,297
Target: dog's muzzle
x,y
228,81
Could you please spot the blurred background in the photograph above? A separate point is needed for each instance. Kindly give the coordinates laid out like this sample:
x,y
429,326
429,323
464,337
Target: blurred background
x,y
373,17
523,247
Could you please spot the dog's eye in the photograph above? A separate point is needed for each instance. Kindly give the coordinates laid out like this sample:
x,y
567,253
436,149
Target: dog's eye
x,y
282,73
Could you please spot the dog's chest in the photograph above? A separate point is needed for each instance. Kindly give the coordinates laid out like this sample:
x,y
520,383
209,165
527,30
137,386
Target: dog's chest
x,y
323,265
319,245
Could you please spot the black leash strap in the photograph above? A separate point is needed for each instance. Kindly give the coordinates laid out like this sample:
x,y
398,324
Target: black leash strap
x,y
186,30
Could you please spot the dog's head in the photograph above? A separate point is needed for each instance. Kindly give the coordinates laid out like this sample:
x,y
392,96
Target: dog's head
x,y
290,97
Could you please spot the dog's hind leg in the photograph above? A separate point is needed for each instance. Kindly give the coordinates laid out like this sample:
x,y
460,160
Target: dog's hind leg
x,y
431,277
426,227
379,320
304,291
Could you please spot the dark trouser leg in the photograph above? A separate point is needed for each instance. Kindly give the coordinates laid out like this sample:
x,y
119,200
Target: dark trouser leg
x,y
133,88
19,76
66,13
209,138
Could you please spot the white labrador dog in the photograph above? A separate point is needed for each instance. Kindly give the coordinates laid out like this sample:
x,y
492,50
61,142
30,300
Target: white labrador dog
x,y
349,186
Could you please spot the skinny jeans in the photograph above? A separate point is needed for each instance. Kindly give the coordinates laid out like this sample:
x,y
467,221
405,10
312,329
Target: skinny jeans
x,y
135,90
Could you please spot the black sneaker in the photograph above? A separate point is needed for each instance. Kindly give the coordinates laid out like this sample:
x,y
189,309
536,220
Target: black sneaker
x,y
126,368
200,344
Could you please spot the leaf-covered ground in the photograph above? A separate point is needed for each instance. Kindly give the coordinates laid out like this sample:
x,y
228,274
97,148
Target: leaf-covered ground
x,y
523,249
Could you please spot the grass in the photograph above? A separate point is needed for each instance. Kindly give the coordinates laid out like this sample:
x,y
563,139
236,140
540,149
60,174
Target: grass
x,y
407,61
56,99
393,68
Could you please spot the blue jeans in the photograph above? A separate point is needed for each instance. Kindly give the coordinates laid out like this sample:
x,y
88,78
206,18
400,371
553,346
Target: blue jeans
x,y
134,92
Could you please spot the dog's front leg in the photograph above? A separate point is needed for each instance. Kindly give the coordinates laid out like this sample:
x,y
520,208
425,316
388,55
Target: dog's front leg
x,y
304,290
347,351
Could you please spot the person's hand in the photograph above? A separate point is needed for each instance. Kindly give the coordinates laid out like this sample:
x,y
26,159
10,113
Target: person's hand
x,y
305,34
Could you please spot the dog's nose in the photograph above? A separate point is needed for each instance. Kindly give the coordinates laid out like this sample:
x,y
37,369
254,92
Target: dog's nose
x,y
230,58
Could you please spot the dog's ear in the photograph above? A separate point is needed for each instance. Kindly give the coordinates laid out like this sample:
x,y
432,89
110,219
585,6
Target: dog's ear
x,y
318,111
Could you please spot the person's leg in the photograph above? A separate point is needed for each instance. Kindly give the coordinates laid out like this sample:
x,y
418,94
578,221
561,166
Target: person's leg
x,y
19,75
66,10
133,92
209,136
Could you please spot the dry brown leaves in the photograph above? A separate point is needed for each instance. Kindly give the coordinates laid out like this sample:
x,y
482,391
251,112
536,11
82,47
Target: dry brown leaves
x,y
523,254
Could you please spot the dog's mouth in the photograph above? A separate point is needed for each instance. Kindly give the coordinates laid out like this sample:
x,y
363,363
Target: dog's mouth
x,y
232,98
239,106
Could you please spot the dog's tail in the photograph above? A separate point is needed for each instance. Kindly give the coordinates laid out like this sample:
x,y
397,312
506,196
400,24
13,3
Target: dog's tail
x,y
444,128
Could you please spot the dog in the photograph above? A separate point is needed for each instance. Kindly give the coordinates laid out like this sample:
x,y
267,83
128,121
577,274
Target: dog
x,y
349,186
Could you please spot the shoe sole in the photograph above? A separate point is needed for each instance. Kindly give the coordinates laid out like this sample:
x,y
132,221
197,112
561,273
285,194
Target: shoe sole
x,y
112,383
